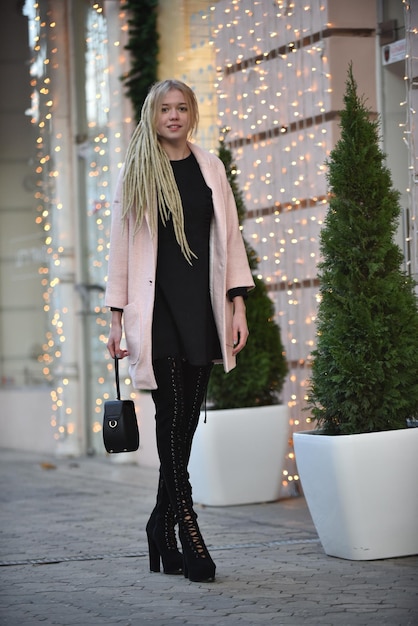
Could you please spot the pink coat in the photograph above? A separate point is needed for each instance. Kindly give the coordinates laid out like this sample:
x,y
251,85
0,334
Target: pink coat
x,y
132,267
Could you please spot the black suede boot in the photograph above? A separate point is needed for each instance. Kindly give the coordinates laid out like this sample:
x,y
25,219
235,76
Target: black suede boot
x,y
175,429
196,379
162,541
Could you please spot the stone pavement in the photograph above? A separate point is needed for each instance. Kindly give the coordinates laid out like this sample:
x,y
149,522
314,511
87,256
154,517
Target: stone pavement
x,y
74,551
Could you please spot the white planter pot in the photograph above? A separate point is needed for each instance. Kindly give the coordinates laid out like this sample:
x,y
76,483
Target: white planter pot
x,y
361,491
238,455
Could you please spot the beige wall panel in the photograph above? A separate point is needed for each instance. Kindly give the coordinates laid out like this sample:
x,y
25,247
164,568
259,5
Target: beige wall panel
x,y
361,52
14,179
17,235
25,420
20,286
23,336
352,13
16,136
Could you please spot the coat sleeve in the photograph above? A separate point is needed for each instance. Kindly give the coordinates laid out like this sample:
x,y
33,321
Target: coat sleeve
x,y
117,278
238,273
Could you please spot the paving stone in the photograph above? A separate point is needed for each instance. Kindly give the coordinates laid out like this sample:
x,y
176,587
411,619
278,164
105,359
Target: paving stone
x,y
75,542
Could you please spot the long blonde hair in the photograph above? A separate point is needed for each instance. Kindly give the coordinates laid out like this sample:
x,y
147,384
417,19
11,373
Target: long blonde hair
x,y
148,182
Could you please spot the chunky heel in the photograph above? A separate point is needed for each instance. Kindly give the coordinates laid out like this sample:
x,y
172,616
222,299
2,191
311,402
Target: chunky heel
x,y
162,541
162,547
154,555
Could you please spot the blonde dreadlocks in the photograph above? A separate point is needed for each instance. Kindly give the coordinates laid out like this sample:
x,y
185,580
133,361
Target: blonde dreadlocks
x,y
149,183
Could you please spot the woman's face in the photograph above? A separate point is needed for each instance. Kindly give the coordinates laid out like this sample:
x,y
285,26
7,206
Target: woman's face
x,y
173,118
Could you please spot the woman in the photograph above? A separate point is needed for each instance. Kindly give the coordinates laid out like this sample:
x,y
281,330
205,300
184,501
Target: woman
x,y
178,275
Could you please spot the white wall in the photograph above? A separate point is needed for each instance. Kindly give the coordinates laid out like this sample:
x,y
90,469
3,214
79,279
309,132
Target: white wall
x,y
25,420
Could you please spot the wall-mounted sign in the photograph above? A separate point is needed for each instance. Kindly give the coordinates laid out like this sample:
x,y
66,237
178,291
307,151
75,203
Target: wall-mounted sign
x,y
394,52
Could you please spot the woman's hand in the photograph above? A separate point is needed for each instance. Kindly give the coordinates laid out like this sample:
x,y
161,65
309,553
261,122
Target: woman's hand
x,y
115,337
239,325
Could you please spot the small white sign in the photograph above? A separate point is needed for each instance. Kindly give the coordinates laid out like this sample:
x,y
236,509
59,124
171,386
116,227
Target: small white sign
x,y
394,52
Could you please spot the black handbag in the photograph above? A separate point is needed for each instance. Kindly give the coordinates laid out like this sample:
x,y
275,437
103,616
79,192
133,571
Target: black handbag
x,y
120,426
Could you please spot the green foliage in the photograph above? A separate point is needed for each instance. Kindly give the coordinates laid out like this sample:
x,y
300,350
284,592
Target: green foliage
x,y
259,377
365,368
143,47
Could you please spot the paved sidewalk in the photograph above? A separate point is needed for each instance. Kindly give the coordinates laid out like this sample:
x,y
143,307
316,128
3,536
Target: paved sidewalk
x,y
74,551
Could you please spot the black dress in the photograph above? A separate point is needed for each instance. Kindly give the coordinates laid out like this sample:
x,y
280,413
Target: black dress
x,y
183,322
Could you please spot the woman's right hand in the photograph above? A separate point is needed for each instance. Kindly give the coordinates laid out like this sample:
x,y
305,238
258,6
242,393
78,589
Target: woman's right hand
x,y
115,337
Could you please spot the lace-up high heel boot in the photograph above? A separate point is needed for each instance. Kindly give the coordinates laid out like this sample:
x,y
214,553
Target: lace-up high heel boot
x,y
161,535
196,379
173,438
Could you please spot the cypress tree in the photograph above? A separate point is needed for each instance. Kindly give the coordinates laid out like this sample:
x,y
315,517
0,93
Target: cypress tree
x,y
365,367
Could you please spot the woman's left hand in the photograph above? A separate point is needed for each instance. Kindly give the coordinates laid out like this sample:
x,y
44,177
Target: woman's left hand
x,y
239,325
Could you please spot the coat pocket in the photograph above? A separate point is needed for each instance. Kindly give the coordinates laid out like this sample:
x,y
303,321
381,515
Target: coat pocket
x,y
132,325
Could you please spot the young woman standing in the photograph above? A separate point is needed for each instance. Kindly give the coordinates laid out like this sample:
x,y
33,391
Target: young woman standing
x,y
177,282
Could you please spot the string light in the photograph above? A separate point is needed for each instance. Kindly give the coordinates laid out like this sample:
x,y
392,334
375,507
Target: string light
x,y
101,149
410,130
274,90
275,93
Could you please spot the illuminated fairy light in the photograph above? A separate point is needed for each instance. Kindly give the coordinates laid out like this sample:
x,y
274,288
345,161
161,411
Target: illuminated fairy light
x,y
46,61
103,154
410,132
101,149
274,89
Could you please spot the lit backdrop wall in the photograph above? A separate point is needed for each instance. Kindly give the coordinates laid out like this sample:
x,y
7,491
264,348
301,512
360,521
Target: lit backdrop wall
x,y
281,68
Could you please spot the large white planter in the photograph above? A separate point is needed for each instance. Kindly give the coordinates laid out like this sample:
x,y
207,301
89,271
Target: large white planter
x,y
361,491
238,455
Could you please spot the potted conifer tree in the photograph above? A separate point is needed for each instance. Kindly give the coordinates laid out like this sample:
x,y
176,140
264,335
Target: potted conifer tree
x,y
239,450
358,469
